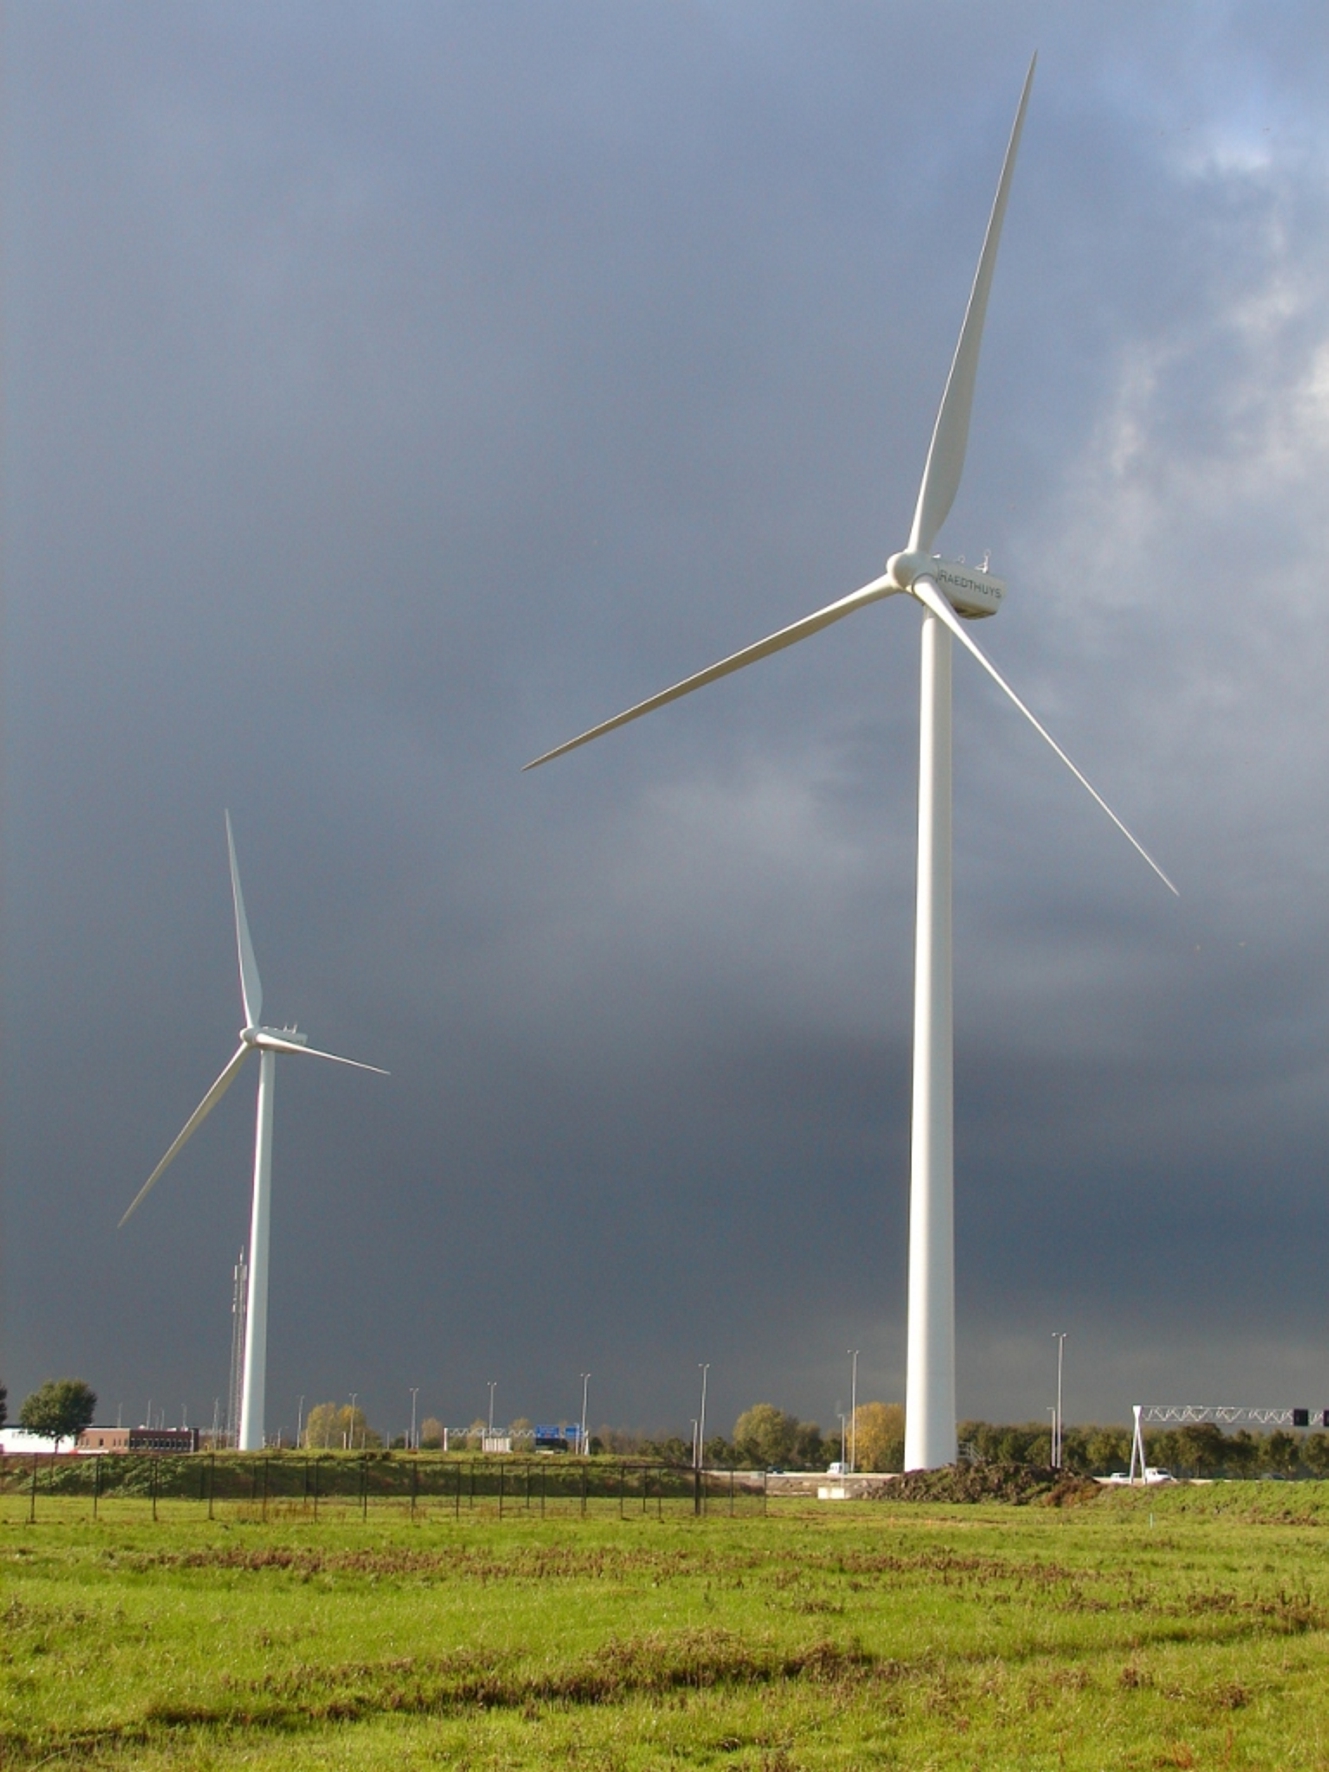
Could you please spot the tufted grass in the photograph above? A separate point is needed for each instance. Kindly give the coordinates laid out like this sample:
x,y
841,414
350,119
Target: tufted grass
x,y
1182,1629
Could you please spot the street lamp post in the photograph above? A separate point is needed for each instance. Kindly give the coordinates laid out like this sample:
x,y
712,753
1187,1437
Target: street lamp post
x,y
493,1386
415,1392
853,1410
1059,1336
350,1436
585,1387
701,1418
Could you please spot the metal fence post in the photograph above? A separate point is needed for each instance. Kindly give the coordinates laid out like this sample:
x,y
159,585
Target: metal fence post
x,y
765,1491
364,1487
212,1479
316,1489
696,1489
622,1483
415,1472
96,1483
500,1488
544,1484
156,1468
458,1508
583,1488
267,1462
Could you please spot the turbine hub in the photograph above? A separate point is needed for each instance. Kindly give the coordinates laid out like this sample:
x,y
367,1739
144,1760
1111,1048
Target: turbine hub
x,y
906,567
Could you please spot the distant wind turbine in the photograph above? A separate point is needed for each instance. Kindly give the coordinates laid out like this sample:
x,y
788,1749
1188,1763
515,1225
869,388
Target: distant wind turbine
x,y
948,591
267,1042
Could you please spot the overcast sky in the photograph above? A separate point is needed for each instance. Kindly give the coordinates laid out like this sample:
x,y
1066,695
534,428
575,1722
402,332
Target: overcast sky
x,y
393,391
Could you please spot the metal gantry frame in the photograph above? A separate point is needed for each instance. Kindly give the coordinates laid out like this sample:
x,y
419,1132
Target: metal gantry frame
x,y
1225,1414
1220,1414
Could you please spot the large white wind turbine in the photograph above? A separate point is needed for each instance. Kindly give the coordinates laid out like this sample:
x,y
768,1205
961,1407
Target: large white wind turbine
x,y
949,592
267,1042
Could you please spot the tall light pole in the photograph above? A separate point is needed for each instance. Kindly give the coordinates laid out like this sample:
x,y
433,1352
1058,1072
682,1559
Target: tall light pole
x,y
493,1386
350,1436
415,1392
1059,1336
299,1421
585,1387
853,1410
701,1418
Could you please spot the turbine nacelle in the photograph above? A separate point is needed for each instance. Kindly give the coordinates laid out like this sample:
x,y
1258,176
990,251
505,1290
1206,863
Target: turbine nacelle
x,y
972,591
263,1036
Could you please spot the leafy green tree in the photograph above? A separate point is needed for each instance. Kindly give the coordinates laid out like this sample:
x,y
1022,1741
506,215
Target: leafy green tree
x,y
878,1436
1315,1454
60,1409
765,1435
1106,1449
809,1453
1241,1454
431,1434
1281,1453
1201,1449
673,1449
336,1427
1029,1443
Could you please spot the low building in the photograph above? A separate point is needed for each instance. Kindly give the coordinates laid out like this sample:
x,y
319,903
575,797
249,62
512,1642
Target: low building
x,y
16,1442
138,1439
104,1439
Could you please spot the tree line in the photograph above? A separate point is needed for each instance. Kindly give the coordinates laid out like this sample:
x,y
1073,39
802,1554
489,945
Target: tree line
x,y
768,1438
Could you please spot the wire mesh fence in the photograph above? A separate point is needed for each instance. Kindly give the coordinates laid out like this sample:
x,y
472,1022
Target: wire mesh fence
x,y
130,1486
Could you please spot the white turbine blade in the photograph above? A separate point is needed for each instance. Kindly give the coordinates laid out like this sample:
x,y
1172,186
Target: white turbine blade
x,y
273,1043
251,991
799,630
950,435
928,594
192,1125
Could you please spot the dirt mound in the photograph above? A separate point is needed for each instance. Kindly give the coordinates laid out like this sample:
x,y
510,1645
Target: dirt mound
x,y
1017,1484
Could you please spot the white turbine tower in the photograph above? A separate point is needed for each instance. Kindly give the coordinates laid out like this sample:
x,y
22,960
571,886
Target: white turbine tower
x,y
267,1042
948,591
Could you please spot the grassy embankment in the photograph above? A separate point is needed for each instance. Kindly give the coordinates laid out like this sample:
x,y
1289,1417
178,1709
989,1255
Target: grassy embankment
x,y
1182,1629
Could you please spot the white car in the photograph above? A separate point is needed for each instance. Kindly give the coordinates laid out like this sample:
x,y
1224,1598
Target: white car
x,y
837,1469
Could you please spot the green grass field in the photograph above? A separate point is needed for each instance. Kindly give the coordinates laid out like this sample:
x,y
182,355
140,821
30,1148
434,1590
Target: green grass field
x,y
1189,1628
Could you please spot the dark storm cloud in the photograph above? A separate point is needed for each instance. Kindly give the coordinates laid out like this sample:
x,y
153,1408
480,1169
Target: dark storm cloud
x,y
392,393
